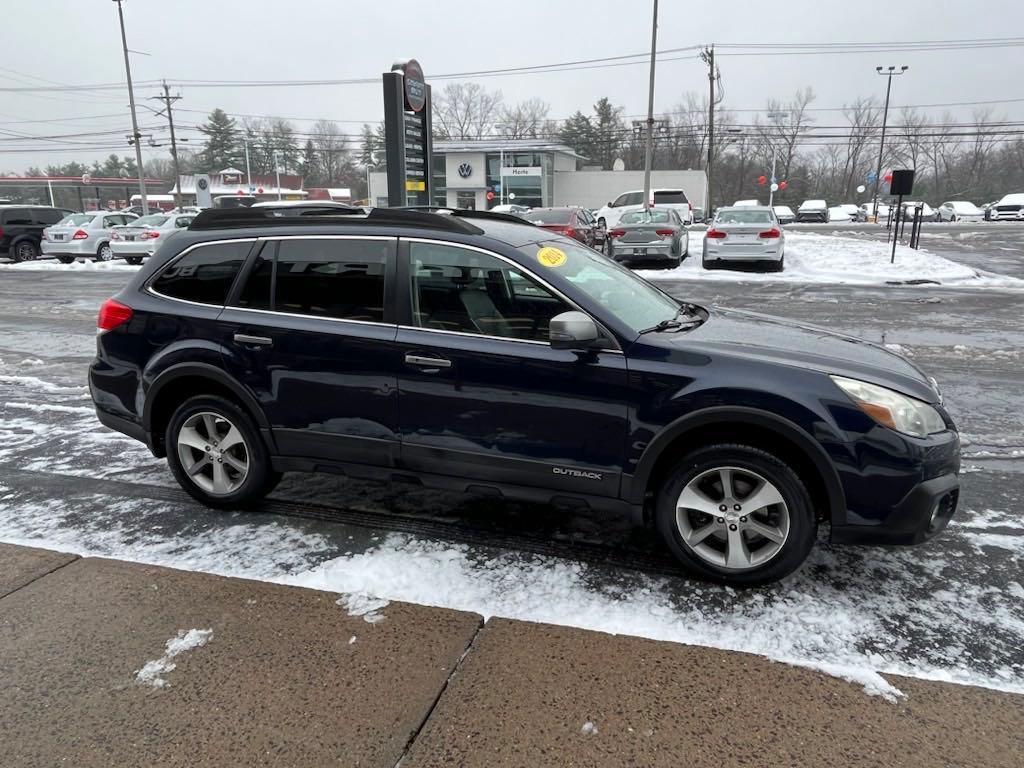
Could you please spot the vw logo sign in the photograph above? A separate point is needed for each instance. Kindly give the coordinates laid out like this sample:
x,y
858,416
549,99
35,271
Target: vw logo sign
x,y
202,184
465,170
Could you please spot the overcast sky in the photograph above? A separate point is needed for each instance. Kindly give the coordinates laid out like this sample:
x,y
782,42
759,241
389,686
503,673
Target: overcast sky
x,y
77,42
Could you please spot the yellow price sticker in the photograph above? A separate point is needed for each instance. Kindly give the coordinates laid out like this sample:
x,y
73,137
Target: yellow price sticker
x,y
551,257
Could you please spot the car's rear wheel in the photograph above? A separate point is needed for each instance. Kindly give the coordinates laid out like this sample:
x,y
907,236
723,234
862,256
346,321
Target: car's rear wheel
x,y
65,259
26,250
133,259
104,253
736,514
216,453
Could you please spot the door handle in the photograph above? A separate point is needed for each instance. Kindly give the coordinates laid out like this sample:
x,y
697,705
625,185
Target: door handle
x,y
259,341
422,361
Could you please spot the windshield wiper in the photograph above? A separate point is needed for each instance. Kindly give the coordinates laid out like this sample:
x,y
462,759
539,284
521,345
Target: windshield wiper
x,y
674,323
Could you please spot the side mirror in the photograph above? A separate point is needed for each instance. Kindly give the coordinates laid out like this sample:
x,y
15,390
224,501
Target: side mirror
x,y
610,204
572,330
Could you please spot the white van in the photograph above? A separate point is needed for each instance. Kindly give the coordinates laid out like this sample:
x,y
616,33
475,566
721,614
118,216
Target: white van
x,y
675,199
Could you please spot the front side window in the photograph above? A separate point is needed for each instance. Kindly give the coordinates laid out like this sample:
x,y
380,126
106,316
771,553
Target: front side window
x,y
203,275
456,289
634,301
337,278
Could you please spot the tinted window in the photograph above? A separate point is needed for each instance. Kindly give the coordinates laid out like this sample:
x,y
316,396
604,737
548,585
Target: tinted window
x,y
203,275
337,278
670,196
47,216
454,289
14,216
549,215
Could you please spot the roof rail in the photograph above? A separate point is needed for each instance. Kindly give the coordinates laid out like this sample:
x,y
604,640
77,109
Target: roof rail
x,y
287,216
466,213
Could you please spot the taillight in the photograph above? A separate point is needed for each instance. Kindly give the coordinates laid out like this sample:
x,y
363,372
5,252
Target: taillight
x,y
115,235
768,234
112,314
616,232
80,235
149,235
715,234
665,232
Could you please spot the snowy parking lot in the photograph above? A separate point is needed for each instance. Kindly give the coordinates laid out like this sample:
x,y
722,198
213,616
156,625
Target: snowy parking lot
x,y
952,609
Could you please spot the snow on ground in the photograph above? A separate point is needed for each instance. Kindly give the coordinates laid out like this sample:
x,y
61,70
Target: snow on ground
x,y
834,259
86,265
152,672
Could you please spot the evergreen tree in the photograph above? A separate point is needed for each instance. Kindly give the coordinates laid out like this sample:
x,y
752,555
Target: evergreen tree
x,y
609,133
222,145
579,134
309,165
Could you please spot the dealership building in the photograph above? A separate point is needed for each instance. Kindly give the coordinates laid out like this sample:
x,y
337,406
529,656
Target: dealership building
x,y
531,172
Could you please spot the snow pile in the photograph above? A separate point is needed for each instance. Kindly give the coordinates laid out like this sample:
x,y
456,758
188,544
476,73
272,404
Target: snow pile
x,y
152,672
81,265
832,259
362,604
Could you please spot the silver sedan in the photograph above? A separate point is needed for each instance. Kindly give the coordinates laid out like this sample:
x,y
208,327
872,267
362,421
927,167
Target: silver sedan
x,y
654,234
745,236
83,235
139,239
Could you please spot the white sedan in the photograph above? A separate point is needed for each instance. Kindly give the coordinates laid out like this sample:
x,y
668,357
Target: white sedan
x,y
137,240
839,213
960,210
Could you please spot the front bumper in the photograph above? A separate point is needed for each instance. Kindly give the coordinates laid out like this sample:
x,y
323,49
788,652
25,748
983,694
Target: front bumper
x,y
821,218
924,511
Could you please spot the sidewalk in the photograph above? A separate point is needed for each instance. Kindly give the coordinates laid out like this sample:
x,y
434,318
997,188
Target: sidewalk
x,y
263,674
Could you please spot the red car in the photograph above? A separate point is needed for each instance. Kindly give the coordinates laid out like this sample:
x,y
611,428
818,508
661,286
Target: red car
x,y
577,223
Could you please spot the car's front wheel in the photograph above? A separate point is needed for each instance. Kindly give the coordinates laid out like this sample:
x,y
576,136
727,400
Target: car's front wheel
x,y
104,253
216,453
736,514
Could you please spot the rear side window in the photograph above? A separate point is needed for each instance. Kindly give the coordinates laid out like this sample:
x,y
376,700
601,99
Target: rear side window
x,y
203,275
670,197
47,216
13,216
339,278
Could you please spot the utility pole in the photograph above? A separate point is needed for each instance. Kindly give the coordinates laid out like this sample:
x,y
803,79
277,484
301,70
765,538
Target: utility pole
x,y
167,99
248,172
708,55
890,73
649,148
136,136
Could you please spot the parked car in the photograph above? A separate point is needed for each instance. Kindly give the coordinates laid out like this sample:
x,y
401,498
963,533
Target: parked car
x,y
960,210
698,215
867,210
838,213
21,229
745,203
853,211
784,214
745,235
1009,207
576,223
496,357
235,201
609,215
657,233
85,235
927,212
989,210
139,239
510,208
813,210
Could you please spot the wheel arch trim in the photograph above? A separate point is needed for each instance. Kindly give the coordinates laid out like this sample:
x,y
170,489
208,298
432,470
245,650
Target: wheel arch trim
x,y
638,483
200,370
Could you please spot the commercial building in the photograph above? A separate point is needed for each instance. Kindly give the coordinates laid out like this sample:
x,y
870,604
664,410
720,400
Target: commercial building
x,y
232,181
531,172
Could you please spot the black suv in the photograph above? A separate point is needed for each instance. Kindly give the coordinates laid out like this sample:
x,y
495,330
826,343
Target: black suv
x,y
476,352
21,229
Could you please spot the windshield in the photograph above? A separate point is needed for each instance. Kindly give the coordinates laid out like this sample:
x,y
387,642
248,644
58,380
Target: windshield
x,y
549,215
631,299
645,217
148,221
739,216
76,219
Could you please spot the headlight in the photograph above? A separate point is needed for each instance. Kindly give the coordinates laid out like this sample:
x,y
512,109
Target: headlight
x,y
891,409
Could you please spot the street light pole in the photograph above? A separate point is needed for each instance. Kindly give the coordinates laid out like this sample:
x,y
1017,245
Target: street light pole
x,y
248,173
277,170
649,149
136,136
890,73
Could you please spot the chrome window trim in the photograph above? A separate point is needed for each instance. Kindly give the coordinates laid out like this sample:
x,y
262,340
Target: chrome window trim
x,y
275,312
518,267
149,283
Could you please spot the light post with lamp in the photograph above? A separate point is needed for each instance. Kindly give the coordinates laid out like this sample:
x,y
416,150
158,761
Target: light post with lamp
x,y
890,73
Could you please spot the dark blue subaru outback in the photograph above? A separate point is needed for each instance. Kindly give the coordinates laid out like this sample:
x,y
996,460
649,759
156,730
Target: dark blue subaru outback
x,y
476,352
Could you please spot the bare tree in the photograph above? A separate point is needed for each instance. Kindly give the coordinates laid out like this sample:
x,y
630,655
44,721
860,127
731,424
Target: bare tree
x,y
466,111
525,120
864,117
331,146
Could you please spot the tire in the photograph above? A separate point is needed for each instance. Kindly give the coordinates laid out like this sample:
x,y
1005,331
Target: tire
x,y
710,263
755,559
237,488
686,250
25,250
65,259
780,265
104,253
133,259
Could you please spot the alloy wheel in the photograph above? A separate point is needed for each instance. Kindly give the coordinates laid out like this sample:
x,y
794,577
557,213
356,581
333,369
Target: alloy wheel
x,y
105,252
24,252
732,518
213,453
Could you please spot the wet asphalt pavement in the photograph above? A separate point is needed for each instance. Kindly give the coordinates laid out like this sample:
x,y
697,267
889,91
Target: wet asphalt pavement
x,y
951,608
